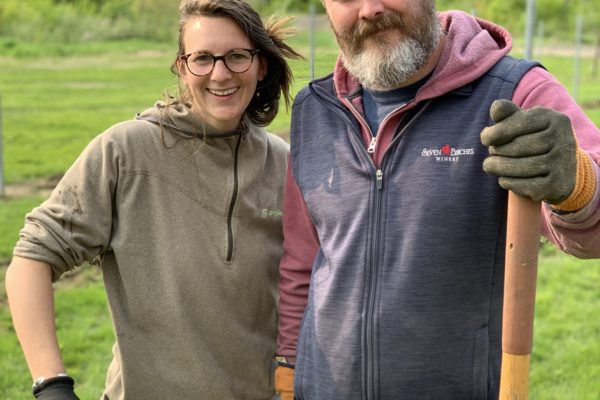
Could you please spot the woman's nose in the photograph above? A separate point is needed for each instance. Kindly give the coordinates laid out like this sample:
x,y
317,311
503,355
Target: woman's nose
x,y
220,71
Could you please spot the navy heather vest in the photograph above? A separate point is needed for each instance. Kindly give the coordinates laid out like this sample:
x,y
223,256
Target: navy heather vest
x,y
406,291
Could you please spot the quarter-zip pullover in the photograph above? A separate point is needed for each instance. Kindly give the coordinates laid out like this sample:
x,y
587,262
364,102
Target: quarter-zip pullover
x,y
186,226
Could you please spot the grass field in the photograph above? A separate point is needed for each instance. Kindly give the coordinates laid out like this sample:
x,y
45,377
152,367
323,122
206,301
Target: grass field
x,y
53,106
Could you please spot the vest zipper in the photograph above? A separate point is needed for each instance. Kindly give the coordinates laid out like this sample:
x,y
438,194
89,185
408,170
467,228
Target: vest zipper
x,y
359,117
370,344
233,201
379,179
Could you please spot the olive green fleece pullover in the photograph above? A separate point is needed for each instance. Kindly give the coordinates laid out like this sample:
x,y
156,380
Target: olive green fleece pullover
x,y
186,225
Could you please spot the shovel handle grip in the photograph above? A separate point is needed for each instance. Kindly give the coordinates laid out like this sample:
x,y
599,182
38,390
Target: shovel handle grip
x,y
520,273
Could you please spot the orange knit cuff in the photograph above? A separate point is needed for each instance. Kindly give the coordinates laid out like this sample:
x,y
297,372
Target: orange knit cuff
x,y
284,382
585,185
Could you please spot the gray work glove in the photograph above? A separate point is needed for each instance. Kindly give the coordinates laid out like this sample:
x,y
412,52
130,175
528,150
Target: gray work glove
x,y
533,152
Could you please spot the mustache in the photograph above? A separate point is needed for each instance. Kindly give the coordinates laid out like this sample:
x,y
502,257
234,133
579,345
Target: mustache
x,y
364,29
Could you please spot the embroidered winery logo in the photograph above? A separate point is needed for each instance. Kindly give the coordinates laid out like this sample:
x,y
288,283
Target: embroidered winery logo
x,y
266,212
447,153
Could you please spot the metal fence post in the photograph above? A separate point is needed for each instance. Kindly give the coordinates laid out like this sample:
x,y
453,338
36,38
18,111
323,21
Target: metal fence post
x,y
529,29
577,56
1,153
311,38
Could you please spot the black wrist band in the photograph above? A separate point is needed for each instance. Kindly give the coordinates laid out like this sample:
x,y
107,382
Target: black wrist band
x,y
55,379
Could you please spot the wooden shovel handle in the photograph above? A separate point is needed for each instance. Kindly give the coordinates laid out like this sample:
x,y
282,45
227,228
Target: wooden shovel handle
x,y
522,247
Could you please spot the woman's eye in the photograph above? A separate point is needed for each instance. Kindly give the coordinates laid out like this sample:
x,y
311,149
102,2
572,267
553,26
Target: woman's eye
x,y
237,56
202,59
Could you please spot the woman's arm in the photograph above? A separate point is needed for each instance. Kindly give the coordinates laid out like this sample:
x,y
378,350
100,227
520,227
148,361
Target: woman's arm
x,y
31,302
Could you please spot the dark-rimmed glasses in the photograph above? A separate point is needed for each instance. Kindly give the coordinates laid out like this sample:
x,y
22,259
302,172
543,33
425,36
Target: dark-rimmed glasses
x,y
202,63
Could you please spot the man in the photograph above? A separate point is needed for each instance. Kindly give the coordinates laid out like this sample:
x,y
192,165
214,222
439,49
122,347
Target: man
x,y
390,215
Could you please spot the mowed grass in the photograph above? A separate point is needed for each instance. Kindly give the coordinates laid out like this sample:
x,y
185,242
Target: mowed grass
x,y
565,362
52,107
85,334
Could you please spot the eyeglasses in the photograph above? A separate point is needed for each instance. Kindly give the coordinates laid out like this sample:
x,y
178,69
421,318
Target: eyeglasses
x,y
236,60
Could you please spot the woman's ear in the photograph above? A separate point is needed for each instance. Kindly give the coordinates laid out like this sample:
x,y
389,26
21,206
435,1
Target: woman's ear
x,y
262,68
181,67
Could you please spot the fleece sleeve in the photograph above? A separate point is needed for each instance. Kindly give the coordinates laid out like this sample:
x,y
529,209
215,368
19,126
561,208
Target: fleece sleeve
x,y
576,233
74,224
300,246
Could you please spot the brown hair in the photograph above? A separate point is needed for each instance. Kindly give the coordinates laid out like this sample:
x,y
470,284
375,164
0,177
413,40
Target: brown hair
x,y
267,37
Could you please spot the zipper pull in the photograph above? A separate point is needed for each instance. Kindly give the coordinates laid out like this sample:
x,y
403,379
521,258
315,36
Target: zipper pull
x,y
379,179
372,145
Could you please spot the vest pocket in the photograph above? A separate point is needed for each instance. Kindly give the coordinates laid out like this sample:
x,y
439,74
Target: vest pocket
x,y
480,364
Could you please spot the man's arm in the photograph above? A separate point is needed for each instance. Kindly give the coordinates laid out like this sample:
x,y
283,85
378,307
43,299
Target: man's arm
x,y
300,247
576,232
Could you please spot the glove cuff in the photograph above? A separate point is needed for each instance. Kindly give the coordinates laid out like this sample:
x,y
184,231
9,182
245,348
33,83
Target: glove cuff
x,y
62,379
284,379
585,185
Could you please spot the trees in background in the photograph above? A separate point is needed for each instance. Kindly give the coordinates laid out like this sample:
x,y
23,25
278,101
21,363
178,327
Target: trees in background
x,y
70,21
95,20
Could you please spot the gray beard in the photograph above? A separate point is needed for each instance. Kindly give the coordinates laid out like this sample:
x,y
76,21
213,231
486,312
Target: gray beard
x,y
385,69
382,65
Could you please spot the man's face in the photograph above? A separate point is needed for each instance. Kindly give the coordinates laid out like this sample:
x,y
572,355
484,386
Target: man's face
x,y
384,42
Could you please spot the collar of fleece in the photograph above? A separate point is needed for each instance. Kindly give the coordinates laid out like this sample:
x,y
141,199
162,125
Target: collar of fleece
x,y
182,121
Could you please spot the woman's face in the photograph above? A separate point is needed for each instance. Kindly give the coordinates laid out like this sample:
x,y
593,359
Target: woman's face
x,y
220,98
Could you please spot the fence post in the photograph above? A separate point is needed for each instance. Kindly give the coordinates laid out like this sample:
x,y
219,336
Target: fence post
x,y
311,38
577,60
529,29
1,153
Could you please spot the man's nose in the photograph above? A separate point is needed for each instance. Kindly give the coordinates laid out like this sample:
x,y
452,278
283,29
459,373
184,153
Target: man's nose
x,y
371,9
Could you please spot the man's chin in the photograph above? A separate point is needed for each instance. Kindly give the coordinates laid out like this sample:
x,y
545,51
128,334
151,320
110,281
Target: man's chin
x,y
373,53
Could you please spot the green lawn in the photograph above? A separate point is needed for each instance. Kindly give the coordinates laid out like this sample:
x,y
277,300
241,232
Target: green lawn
x,y
85,334
52,107
565,362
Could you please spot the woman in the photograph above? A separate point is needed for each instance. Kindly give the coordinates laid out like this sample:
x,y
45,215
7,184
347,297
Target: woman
x,y
181,208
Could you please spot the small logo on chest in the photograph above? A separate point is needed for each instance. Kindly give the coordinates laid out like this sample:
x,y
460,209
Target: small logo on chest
x,y
447,153
269,213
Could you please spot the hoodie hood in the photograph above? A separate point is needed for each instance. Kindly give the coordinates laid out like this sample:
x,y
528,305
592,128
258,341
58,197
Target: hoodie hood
x,y
182,121
471,48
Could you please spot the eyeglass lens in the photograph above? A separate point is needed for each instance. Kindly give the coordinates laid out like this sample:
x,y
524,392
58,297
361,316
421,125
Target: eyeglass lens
x,y
238,61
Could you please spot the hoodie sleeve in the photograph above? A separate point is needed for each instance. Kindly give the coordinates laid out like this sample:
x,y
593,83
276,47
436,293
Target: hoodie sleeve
x,y
576,233
74,224
300,246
